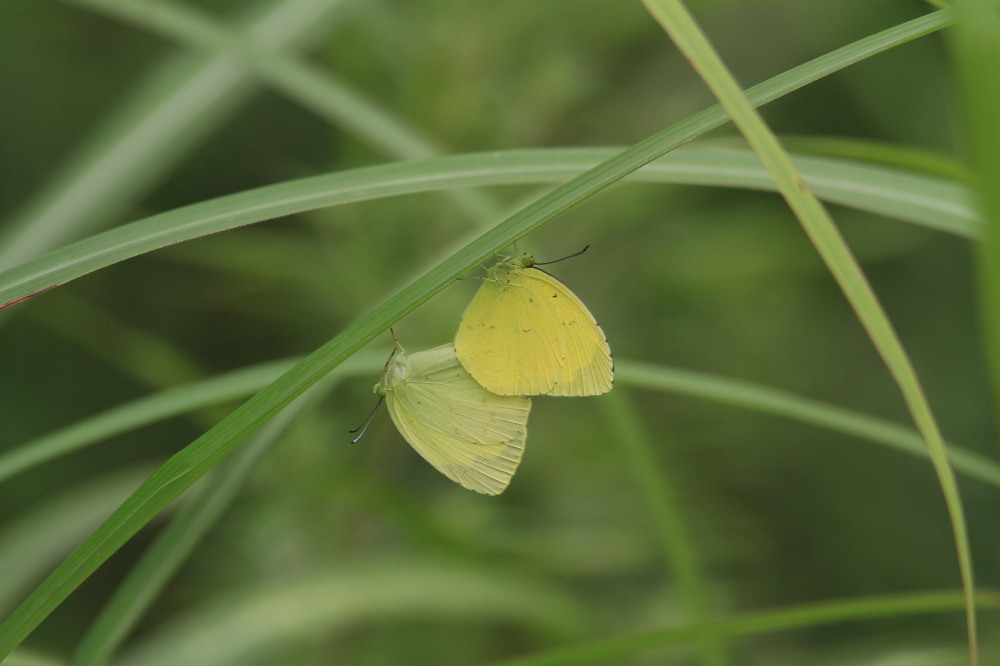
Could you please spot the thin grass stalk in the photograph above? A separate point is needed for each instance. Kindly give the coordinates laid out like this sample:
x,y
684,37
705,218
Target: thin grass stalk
x,y
702,386
930,202
307,85
659,492
767,400
137,413
173,110
684,31
676,135
136,593
975,48
761,623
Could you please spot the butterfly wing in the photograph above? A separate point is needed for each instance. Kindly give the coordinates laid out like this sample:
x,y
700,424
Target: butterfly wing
x,y
586,367
507,339
528,334
470,435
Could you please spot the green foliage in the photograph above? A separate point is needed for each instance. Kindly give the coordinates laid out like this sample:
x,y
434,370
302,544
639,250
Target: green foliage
x,y
653,524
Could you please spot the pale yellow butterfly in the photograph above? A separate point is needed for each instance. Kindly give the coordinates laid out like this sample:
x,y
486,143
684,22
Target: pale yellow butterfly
x,y
470,435
526,333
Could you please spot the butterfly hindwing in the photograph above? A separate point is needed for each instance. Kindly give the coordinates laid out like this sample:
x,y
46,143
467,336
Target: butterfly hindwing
x,y
473,437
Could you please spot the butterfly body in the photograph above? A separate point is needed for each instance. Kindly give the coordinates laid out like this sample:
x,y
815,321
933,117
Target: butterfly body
x,y
526,333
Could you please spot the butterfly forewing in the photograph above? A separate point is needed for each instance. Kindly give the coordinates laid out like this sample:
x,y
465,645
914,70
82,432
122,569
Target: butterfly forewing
x,y
526,333
586,367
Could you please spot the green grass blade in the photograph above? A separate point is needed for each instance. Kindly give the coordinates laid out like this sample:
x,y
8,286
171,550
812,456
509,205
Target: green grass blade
x,y
668,517
773,401
173,546
41,535
31,658
908,158
300,81
678,23
173,111
933,202
135,352
309,86
232,631
975,45
141,412
688,129
243,382
759,623
919,199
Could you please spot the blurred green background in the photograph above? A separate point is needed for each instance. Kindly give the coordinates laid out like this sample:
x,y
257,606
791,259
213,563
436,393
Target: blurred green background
x,y
716,280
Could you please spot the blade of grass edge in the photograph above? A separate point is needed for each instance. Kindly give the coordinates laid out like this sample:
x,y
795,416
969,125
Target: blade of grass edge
x,y
673,16
137,413
184,468
174,544
307,85
658,490
768,400
975,49
174,108
926,201
704,386
54,265
762,622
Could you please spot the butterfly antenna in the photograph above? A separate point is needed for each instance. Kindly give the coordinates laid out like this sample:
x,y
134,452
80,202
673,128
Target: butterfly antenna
x,y
569,256
367,422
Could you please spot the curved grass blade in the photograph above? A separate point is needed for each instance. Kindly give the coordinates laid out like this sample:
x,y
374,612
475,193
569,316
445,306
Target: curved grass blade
x,y
141,412
41,535
975,47
763,622
679,548
682,132
925,200
231,631
32,658
176,107
724,390
311,87
908,158
184,468
173,546
767,400
673,16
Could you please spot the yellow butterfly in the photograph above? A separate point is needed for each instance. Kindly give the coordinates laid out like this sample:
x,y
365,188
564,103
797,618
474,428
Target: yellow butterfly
x,y
526,333
470,435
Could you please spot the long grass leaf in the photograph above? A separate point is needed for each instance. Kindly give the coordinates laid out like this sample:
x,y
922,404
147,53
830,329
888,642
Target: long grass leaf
x,y
924,200
235,630
173,546
684,31
768,400
975,45
311,87
43,534
174,109
762,622
680,133
659,492
724,390
141,412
